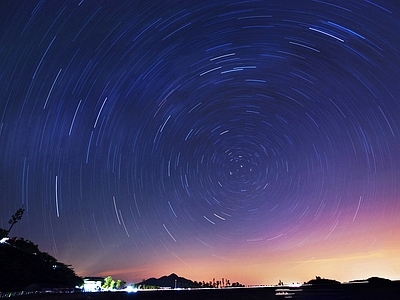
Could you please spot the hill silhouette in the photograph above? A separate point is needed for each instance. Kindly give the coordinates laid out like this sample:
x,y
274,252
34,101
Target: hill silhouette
x,y
374,281
23,265
319,281
170,281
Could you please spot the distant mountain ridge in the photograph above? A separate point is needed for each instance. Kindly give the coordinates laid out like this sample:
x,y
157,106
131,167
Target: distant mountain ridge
x,y
175,281
377,281
170,281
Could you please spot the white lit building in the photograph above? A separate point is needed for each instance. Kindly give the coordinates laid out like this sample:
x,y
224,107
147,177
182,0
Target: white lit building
x,y
92,284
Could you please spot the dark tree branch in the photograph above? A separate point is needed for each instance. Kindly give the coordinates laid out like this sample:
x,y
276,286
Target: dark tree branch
x,y
15,218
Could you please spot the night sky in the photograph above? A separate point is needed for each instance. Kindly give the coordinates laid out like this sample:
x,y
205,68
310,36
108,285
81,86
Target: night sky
x,y
250,140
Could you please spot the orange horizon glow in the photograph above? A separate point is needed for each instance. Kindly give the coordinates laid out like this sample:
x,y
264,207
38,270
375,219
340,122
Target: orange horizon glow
x,y
341,257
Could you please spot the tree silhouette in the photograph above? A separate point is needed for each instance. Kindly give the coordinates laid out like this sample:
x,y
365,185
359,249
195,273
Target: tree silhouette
x,y
237,284
15,218
109,283
120,284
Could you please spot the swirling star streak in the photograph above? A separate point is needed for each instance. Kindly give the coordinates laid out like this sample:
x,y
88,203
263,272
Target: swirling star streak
x,y
251,140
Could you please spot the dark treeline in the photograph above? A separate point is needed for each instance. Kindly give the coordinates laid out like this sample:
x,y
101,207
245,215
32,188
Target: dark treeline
x,y
24,266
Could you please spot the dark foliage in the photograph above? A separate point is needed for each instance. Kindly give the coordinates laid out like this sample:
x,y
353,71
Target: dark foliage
x,y
22,264
3,233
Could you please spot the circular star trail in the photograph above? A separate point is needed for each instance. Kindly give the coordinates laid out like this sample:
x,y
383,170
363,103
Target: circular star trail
x,y
149,138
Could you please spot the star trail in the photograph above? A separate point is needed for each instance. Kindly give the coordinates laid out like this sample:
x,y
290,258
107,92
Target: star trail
x,y
250,140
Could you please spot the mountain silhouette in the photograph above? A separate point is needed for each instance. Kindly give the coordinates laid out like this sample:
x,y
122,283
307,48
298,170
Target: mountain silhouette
x,y
170,281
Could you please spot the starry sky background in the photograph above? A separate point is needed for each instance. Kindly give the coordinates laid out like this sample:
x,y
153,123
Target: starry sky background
x,y
250,140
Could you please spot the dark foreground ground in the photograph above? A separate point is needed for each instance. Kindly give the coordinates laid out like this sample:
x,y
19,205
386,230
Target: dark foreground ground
x,y
360,291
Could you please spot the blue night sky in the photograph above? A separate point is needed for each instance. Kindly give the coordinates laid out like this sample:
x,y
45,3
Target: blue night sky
x,y
250,140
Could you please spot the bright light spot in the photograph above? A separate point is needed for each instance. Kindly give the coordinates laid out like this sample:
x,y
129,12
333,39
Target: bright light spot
x,y
3,240
131,289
